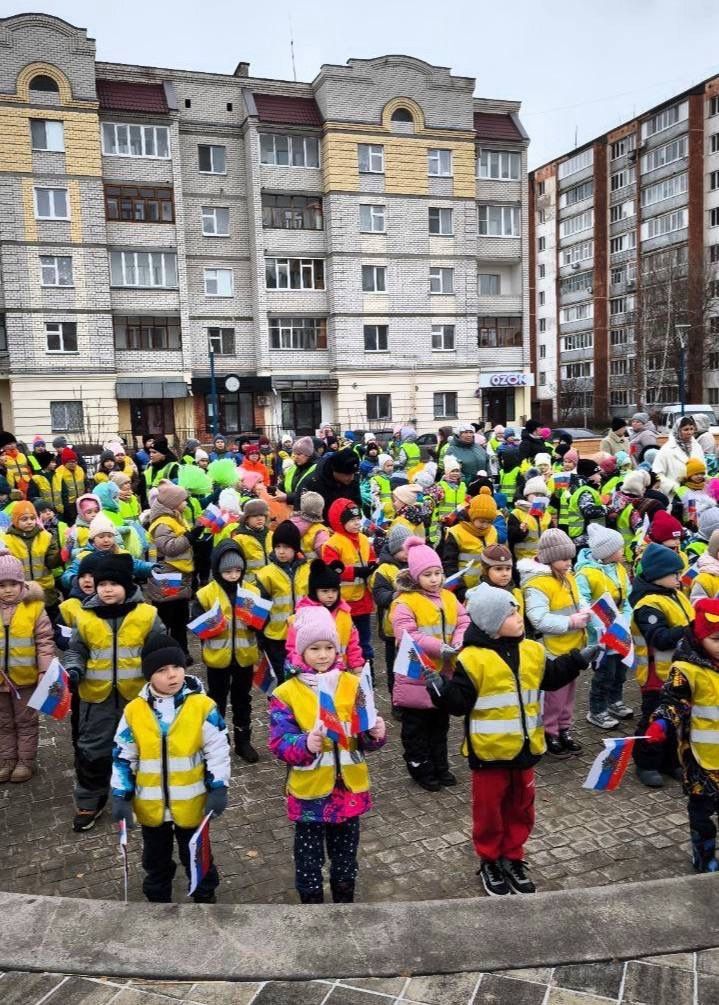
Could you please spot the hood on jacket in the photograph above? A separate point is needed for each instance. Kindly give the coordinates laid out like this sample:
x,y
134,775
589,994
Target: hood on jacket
x,y
528,568
108,494
222,549
405,583
336,509
509,459
157,509
705,563
192,685
691,650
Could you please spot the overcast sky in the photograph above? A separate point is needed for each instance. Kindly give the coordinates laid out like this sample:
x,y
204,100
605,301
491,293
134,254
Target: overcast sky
x,y
575,66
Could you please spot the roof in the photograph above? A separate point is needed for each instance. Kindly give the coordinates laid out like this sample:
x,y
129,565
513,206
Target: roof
x,y
123,96
493,126
287,110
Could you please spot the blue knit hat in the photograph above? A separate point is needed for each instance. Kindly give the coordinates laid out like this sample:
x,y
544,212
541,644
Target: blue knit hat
x,y
659,561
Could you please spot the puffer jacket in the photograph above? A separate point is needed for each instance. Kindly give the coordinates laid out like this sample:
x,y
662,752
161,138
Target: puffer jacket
x,y
584,562
168,545
671,463
471,457
44,638
612,443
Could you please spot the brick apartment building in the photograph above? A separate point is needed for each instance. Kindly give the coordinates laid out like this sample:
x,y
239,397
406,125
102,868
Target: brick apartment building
x,y
352,250
624,237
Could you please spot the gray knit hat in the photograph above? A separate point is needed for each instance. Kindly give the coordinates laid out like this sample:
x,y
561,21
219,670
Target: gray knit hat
x,y
312,506
231,559
713,546
304,445
554,546
709,522
603,541
396,538
489,607
642,417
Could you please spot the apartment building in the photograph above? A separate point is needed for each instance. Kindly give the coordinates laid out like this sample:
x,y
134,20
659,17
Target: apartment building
x,y
624,234
351,250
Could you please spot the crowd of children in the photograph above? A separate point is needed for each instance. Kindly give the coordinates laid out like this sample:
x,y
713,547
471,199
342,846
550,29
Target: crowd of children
x,y
483,562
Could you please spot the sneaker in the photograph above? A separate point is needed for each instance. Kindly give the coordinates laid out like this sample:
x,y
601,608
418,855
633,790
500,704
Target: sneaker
x,y
555,746
84,820
493,879
22,772
515,872
446,778
6,770
621,710
652,779
568,741
602,719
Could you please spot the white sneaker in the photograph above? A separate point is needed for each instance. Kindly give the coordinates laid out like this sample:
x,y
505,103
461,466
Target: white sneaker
x,y
621,710
602,719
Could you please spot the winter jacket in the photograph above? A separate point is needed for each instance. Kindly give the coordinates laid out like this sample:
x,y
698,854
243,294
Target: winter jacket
x,y
671,463
471,457
174,553
650,622
296,480
258,468
542,588
613,443
351,658
383,589
322,480
39,553
42,637
530,446
706,583
596,578
638,442
351,550
140,570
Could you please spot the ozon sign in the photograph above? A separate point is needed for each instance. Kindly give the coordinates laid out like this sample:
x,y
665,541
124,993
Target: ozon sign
x,y
506,379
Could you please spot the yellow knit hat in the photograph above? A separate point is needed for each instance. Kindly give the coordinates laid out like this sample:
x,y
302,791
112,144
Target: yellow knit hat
x,y
483,506
695,467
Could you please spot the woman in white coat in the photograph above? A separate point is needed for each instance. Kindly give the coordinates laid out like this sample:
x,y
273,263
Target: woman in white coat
x,y
671,461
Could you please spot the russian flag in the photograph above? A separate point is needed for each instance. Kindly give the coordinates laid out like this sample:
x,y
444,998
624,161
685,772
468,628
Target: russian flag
x,y
200,854
538,507
692,510
364,714
252,609
618,639
688,577
452,582
562,479
52,694
170,583
263,675
212,518
329,717
210,624
605,610
610,765
408,662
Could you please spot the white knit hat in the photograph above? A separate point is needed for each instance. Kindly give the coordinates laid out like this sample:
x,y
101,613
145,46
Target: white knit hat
x,y
229,501
406,494
542,459
603,541
535,487
634,483
451,464
383,459
100,524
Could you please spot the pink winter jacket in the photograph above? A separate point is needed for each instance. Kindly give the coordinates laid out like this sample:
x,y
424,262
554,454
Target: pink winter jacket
x,y
413,693
44,636
353,658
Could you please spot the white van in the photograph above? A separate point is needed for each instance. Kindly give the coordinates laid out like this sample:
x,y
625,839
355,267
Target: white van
x,y
671,414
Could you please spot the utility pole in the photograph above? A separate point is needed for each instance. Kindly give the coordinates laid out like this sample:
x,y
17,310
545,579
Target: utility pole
x,y
681,331
213,391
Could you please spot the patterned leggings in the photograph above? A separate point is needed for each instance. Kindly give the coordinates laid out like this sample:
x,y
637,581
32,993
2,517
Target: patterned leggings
x,y
342,842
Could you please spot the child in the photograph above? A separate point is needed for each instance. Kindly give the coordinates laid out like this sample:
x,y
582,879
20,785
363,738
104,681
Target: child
x,y
497,683
353,549
324,591
313,533
381,486
690,499
328,788
436,621
128,505
452,499
230,656
510,476
523,529
283,580
253,537
171,765
35,547
407,512
88,506
70,479
555,610
253,462
466,540
585,503
706,583
27,651
599,570
392,559
496,569
104,659
102,537
661,614
686,719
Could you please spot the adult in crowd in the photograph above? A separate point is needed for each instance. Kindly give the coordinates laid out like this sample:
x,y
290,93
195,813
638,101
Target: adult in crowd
x,y
472,458
336,477
531,442
142,456
670,464
642,436
163,463
706,441
303,466
616,439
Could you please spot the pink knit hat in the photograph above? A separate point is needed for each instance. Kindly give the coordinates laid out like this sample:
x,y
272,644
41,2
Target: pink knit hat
x,y
314,624
88,498
11,568
420,557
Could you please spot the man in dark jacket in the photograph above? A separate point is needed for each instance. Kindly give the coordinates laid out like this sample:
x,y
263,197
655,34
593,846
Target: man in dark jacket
x,y
303,467
336,477
530,443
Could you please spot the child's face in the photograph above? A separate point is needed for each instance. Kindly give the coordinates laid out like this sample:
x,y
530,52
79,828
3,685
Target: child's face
x,y
10,591
544,469
71,465
618,556
354,525
284,553
671,542
320,656
562,566
104,541
452,477
696,482
46,516
26,522
110,593
499,575
126,491
670,582
327,595
204,463
256,522
168,679
232,575
512,626
711,645
89,510
481,525
86,583
431,580
567,465
388,467
401,555
108,465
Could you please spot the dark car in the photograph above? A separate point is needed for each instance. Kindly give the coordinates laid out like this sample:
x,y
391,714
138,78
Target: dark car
x,y
576,432
427,442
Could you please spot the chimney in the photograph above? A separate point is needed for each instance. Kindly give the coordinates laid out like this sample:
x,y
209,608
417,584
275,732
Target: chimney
x,y
242,70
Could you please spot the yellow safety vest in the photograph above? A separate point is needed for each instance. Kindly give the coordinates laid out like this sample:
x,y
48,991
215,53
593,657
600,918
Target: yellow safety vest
x,y
50,489
18,656
417,529
454,497
171,768
32,553
344,625
72,481
708,583
600,583
563,599
349,555
575,517
184,565
529,547
69,609
318,779
411,452
284,592
390,573
115,659
307,541
624,526
704,719
238,639
18,470
507,712
438,622
255,553
677,612
470,548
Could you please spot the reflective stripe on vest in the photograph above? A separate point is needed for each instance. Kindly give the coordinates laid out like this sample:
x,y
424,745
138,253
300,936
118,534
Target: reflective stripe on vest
x,y
678,611
284,591
124,651
439,622
238,639
349,555
529,547
32,552
184,565
563,597
508,484
703,731
575,518
255,552
18,657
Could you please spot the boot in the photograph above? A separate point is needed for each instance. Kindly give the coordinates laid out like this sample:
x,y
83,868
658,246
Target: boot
x,y
22,772
243,747
312,897
371,671
703,853
343,893
6,770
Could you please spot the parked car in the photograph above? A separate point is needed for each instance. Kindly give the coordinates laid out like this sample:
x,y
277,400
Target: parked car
x,y
427,442
576,432
671,414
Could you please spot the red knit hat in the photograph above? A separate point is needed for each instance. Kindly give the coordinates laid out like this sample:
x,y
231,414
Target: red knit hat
x,y
67,454
706,621
664,527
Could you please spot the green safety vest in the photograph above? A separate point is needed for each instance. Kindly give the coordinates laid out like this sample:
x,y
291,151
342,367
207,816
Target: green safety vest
x,y
164,472
34,463
624,526
412,453
575,519
384,487
289,486
508,484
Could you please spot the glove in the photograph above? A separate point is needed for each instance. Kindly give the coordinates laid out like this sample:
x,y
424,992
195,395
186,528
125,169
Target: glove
x,y
73,674
363,571
433,680
216,801
122,810
195,534
579,619
446,651
590,653
656,731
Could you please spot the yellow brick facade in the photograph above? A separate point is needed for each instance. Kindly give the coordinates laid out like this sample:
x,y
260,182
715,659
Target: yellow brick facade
x,y
73,198
28,205
82,144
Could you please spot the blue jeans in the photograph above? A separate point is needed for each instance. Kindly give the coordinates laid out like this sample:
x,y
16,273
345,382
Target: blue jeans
x,y
607,683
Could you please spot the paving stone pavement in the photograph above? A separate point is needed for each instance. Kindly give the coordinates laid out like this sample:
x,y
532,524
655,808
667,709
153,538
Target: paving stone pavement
x,y
415,844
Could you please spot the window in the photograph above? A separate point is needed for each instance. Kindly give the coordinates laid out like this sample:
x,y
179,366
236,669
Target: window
x,y
665,189
576,163
3,334
499,332
136,141
44,83
621,305
656,226
221,341
665,119
541,216
289,151
374,278
714,180
51,204
298,333
714,142
439,163
61,336
541,187
577,312
370,158
619,397
542,378
219,282
147,333
623,146
66,417
499,221
577,194
620,179
379,406
713,361
575,371
402,115
139,205
713,393
662,395
541,298
713,105
295,273
375,338
579,340
542,271
667,154
215,221
489,284
212,159
624,242
575,283
714,253
580,252
292,212
440,221
542,324
714,217
499,165
621,367
542,352
143,268
441,280
541,244
56,270
576,224
442,338
47,134
445,405
372,219
619,336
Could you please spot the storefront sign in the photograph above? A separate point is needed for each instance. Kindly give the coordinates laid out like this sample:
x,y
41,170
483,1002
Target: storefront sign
x,y
508,378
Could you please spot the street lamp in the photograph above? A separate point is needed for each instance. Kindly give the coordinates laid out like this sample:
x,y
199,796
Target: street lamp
x,y
681,331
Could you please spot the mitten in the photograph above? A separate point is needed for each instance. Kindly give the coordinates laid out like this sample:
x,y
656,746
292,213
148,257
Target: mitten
x,y
216,801
122,810
590,653
447,651
362,571
656,731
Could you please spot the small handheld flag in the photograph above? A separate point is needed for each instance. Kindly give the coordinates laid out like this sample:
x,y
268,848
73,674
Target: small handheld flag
x,y
364,714
200,854
692,510
122,828
212,519
329,717
209,624
562,479
688,577
263,675
52,694
407,662
252,609
604,610
452,582
170,583
538,507
610,764
614,634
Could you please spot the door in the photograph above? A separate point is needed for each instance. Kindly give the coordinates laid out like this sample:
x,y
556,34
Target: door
x,y
152,416
237,412
301,412
498,405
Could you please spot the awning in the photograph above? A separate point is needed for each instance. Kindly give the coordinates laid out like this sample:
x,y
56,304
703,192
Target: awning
x,y
151,389
317,382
